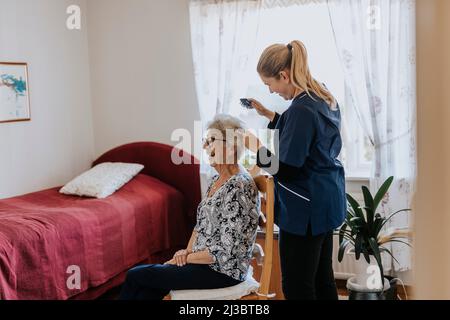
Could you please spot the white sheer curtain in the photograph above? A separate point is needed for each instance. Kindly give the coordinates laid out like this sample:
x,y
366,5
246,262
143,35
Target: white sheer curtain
x,y
376,45
223,36
269,4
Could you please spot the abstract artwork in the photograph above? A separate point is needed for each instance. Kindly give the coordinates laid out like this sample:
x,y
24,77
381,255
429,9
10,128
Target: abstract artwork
x,y
14,92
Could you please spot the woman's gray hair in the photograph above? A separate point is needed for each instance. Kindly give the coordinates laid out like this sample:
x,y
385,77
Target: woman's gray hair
x,y
229,127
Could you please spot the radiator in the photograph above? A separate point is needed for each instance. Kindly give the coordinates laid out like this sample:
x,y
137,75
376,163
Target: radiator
x,y
347,267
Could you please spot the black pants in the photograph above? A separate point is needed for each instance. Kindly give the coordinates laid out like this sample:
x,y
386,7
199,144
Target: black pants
x,y
154,281
306,266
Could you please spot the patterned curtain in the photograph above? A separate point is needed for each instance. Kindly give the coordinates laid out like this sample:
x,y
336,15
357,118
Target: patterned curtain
x,y
376,44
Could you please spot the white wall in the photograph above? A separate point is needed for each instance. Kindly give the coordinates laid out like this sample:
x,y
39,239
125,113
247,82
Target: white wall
x,y
132,61
58,141
141,71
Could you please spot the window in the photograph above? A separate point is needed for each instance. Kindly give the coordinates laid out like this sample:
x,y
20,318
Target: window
x,y
309,23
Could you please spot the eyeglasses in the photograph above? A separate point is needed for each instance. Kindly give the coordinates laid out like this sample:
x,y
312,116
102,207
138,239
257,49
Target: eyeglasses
x,y
211,140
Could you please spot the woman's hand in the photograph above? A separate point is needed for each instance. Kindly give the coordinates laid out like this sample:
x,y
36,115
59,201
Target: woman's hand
x,y
171,261
180,257
262,110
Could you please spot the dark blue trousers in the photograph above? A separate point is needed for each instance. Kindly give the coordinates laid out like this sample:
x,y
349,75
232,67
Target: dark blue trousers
x,y
154,281
307,266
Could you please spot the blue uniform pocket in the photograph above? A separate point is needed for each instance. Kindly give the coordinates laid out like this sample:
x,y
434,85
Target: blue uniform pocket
x,y
295,208
300,193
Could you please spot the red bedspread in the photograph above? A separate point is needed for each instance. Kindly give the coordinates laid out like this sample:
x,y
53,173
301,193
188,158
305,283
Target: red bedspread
x,y
43,233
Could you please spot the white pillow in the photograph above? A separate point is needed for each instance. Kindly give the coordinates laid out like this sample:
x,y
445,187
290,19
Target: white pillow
x,y
102,180
236,292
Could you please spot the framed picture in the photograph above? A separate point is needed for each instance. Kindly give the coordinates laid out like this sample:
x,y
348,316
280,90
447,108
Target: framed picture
x,y
14,92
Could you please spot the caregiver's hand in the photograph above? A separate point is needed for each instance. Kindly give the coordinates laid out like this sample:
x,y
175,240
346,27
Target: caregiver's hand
x,y
262,110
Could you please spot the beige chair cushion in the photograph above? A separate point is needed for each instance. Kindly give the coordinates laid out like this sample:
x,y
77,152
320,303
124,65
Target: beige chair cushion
x,y
236,292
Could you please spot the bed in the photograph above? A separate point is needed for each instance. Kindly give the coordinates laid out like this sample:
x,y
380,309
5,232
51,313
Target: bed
x,y
47,239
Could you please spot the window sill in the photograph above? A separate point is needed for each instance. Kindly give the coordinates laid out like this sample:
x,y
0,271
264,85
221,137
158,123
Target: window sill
x,y
357,179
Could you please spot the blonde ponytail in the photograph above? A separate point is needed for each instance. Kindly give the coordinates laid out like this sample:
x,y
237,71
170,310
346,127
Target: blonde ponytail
x,y
294,57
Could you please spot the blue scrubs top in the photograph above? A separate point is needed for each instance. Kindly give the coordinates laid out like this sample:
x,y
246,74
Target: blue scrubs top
x,y
309,139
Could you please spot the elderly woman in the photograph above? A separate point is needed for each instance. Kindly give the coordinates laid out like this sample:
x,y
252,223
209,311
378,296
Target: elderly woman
x,y
219,251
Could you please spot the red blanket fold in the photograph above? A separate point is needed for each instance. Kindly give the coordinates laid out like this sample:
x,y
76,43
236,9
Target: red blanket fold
x,y
43,234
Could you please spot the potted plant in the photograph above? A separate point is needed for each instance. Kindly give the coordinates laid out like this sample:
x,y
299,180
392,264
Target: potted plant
x,y
362,230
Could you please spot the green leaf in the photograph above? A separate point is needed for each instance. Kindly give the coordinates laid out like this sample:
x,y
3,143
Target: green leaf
x,y
351,240
370,220
357,221
377,225
350,213
383,249
355,206
345,232
342,232
358,246
400,241
342,247
348,237
376,253
366,255
368,200
392,215
381,192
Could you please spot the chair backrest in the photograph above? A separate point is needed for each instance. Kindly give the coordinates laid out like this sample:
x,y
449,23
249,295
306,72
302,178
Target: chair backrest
x,y
265,186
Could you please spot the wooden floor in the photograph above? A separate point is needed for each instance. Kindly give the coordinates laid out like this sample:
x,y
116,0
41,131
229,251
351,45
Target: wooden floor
x,y
113,294
342,289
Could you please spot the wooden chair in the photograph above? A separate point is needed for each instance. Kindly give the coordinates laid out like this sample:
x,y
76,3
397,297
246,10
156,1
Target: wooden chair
x,y
265,186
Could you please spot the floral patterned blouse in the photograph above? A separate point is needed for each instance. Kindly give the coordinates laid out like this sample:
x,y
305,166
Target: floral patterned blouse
x,y
227,223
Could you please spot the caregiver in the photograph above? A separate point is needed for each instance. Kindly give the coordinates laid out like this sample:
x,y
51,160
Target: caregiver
x,y
310,186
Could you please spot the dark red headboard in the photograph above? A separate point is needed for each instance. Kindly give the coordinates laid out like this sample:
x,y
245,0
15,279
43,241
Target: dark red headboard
x,y
156,158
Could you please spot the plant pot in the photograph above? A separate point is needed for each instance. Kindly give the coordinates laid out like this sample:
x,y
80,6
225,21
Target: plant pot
x,y
367,274
391,294
365,285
